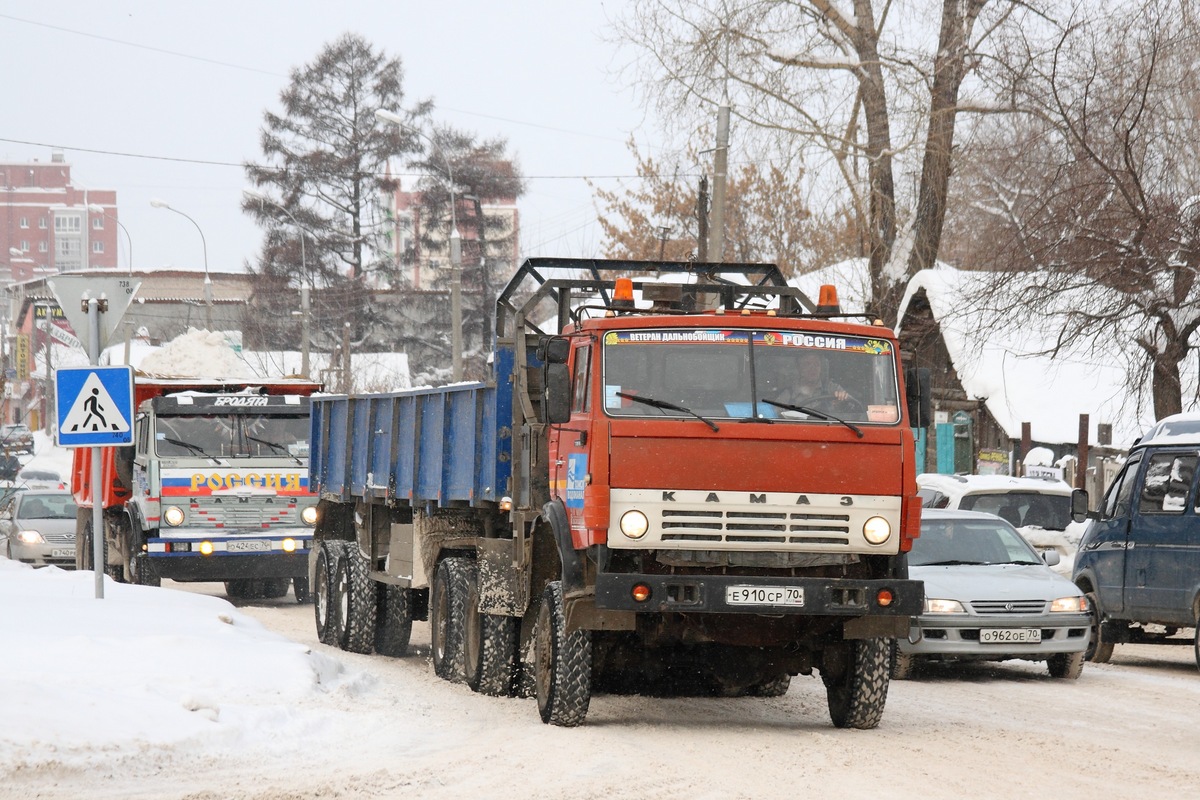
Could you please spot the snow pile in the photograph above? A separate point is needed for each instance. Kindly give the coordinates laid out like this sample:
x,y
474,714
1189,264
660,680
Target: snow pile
x,y
87,679
196,354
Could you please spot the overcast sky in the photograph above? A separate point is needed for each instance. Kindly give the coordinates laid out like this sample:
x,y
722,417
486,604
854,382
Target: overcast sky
x,y
165,100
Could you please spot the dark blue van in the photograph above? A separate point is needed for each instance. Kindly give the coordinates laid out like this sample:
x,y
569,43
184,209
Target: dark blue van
x,y
1139,560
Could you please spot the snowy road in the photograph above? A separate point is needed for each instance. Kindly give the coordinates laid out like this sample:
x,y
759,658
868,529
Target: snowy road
x,y
389,728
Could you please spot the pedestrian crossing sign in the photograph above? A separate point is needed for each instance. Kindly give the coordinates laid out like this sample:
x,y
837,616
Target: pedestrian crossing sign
x,y
94,406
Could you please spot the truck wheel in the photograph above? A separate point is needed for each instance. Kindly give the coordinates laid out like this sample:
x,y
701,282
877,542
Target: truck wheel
x,y
490,646
300,589
563,671
447,610
775,687
902,665
354,594
273,588
1065,665
1098,650
329,553
856,682
393,620
243,589
144,572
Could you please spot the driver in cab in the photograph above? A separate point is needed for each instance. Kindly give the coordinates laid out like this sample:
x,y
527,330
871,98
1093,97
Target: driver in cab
x,y
812,382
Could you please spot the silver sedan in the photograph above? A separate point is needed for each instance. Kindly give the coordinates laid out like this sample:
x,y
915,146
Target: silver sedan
x,y
989,596
39,527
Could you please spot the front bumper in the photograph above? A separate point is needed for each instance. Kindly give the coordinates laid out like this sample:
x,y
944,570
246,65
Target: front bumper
x,y
956,636
59,555
707,594
231,557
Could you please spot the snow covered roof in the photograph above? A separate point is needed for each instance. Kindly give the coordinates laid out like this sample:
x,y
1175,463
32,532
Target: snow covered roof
x,y
1005,367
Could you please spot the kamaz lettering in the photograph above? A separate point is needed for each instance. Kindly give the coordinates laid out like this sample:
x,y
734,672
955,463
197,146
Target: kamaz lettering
x,y
286,481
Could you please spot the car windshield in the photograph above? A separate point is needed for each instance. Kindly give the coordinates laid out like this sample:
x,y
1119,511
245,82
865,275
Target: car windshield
x,y
1023,509
969,541
241,435
749,374
46,506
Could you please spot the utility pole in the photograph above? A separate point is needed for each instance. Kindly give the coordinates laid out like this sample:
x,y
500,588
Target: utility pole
x,y
716,233
305,333
702,221
346,357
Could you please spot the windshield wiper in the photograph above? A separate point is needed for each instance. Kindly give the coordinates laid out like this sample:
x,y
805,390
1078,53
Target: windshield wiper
x,y
650,401
950,563
195,448
812,412
277,447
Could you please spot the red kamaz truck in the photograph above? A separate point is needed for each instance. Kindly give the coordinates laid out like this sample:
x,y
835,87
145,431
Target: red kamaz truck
x,y
214,488
636,499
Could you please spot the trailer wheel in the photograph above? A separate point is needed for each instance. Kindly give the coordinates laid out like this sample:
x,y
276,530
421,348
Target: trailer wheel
x,y
563,671
326,611
144,571
775,687
447,612
489,647
393,620
855,674
354,594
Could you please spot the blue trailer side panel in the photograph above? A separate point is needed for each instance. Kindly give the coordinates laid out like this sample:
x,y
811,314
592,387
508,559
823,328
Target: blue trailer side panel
x,y
420,446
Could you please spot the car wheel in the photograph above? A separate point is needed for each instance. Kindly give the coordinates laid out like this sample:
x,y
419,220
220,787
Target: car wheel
x,y
1098,650
902,663
1066,665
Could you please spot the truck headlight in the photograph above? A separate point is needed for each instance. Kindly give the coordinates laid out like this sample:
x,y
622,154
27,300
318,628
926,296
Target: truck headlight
x,y
876,530
173,516
309,515
634,524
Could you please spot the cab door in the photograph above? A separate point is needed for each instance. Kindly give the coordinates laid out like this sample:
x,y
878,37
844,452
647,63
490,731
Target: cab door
x,y
1162,557
1104,546
570,440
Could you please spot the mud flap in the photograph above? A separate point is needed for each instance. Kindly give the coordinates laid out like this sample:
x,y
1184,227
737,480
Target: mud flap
x,y
572,561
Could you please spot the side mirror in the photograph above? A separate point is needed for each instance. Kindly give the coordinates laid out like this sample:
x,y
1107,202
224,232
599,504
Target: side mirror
x,y
1079,505
554,350
919,395
1051,557
558,392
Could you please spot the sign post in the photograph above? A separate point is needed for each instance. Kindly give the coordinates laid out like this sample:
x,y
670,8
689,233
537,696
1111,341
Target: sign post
x,y
96,408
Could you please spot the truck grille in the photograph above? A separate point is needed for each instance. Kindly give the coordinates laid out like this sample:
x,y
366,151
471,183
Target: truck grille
x,y
1009,606
752,521
237,512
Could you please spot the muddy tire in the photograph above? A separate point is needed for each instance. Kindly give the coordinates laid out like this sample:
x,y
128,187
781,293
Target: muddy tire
x,y
1068,666
325,610
902,665
856,682
354,596
1098,651
144,571
775,687
447,617
489,648
563,664
393,620
301,590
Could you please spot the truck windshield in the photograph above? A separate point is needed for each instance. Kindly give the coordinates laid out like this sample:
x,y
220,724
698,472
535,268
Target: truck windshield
x,y
743,374
236,436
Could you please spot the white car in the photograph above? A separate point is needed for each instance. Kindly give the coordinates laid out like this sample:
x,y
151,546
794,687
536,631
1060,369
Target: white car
x,y
1040,508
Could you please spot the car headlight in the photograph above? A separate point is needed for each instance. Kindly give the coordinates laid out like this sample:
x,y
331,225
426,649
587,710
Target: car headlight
x,y
634,524
309,515
173,516
1069,605
876,530
935,606
31,537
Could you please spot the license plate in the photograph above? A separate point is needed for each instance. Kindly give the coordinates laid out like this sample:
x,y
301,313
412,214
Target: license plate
x,y
247,546
63,552
1010,635
764,596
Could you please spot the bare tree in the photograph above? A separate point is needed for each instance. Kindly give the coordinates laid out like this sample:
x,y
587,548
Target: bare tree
x,y
1097,191
851,90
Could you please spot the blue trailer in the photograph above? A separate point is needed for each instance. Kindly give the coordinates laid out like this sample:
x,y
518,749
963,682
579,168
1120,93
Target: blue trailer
x,y
585,519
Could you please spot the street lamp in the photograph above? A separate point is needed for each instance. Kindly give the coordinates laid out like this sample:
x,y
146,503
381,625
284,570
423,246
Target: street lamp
x,y
208,299
455,244
254,194
99,209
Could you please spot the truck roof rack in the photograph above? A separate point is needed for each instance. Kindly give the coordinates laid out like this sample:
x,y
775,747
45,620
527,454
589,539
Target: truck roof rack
x,y
571,282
